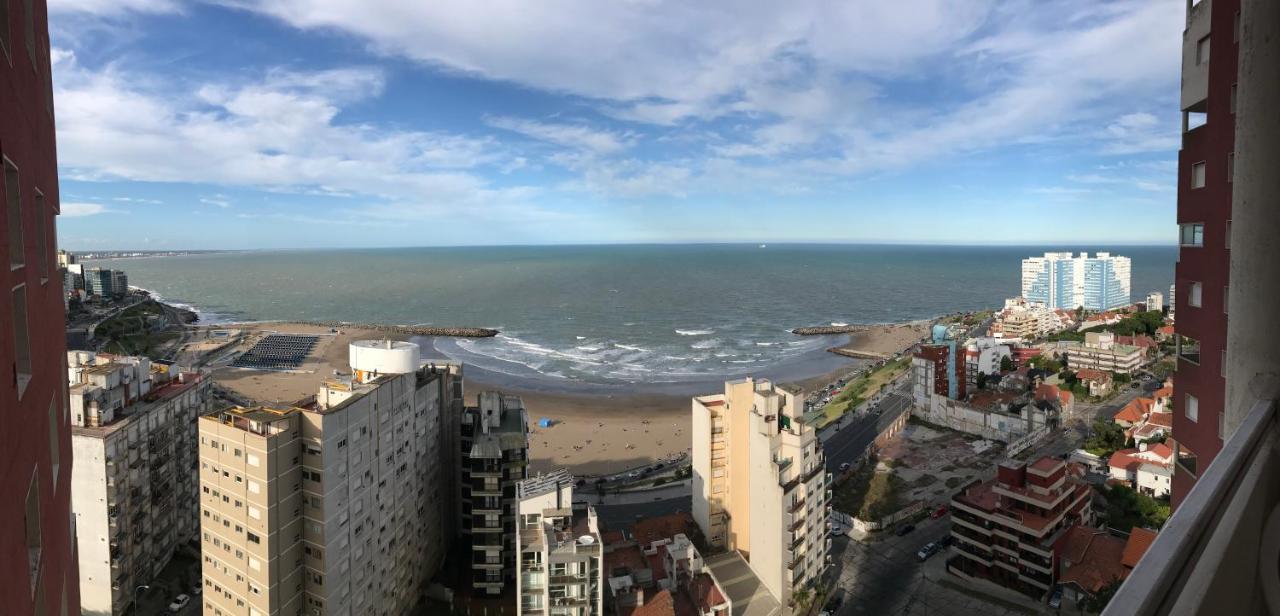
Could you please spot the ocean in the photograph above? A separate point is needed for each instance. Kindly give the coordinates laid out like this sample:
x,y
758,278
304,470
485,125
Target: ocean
x,y
602,315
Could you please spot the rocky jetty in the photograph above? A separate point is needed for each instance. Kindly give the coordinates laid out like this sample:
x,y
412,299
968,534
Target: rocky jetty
x,y
407,330
828,330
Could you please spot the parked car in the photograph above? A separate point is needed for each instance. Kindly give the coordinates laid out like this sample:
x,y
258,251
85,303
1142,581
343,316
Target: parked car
x,y
844,466
1055,600
197,588
928,550
946,541
939,512
903,530
832,606
179,602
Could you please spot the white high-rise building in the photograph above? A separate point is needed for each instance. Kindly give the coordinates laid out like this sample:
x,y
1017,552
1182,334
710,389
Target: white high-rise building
x,y
1155,301
133,483
560,568
761,489
1060,280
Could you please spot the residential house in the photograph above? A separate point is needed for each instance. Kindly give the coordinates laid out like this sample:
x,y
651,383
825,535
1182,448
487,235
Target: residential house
x,y
1097,381
1091,559
1146,469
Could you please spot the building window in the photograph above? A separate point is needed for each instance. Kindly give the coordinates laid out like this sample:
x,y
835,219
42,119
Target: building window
x,y
32,522
1197,175
4,32
1188,349
13,203
1193,294
1191,234
42,241
1202,51
1231,165
1192,408
252,538
55,454
21,340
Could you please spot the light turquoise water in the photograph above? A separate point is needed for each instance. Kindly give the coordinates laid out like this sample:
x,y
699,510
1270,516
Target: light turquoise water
x,y
616,313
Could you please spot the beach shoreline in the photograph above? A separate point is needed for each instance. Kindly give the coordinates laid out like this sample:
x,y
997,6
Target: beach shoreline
x,y
596,429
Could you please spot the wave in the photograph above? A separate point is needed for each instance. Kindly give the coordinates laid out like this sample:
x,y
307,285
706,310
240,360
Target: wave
x,y
839,324
695,332
703,345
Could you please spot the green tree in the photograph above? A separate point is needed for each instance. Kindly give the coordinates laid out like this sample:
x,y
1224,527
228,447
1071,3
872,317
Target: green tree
x,y
1127,508
982,380
1107,438
1006,364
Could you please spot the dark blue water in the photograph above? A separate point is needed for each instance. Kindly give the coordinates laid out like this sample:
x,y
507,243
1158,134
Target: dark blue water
x,y
652,313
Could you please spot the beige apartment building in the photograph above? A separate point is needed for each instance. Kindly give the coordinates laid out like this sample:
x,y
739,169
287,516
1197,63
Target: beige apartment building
x,y
560,568
760,483
133,481
1101,352
335,506
493,458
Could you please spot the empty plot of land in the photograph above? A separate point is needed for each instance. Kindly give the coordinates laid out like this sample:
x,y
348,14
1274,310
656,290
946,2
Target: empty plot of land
x,y
277,352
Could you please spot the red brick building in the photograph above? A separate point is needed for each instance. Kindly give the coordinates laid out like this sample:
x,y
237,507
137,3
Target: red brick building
x,y
37,548
1008,529
1205,166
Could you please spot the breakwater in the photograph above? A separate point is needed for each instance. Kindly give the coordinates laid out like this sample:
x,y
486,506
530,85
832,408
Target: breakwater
x,y
407,330
828,330
857,354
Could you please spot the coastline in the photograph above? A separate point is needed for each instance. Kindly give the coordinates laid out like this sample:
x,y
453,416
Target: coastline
x,y
597,429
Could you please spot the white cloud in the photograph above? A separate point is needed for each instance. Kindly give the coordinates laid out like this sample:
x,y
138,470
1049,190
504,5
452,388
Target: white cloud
x,y
112,7
279,134
216,201
78,210
569,135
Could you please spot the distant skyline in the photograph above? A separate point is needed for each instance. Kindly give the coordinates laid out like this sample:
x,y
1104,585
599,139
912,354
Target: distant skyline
x,y
241,124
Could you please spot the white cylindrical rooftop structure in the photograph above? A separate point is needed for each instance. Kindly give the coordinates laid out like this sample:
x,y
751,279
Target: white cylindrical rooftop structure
x,y
384,356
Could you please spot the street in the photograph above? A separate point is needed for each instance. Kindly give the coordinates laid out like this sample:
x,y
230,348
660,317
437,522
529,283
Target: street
x,y
846,440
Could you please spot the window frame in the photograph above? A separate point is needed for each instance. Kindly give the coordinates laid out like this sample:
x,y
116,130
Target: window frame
x,y
1203,166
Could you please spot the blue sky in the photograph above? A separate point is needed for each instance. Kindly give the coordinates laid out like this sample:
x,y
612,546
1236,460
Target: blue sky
x,y
316,123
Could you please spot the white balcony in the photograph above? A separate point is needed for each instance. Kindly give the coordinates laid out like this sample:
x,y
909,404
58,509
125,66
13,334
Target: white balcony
x,y
1218,553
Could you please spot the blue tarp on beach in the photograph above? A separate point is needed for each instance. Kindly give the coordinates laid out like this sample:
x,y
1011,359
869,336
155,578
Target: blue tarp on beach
x,y
544,423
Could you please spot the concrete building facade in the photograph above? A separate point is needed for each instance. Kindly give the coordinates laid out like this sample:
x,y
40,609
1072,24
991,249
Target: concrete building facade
x,y
1100,351
336,506
134,481
1062,280
561,560
37,529
1205,169
494,455
1007,529
760,483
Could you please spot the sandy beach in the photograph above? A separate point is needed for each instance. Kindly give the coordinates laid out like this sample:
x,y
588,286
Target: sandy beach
x,y
592,433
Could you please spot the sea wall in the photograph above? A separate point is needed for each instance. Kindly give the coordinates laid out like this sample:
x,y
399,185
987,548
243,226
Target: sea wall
x,y
829,329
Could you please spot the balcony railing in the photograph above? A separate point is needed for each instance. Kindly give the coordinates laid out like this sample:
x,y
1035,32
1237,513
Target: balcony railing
x,y
1217,553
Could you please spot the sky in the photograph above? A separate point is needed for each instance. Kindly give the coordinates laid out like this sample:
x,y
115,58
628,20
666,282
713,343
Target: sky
x,y
242,124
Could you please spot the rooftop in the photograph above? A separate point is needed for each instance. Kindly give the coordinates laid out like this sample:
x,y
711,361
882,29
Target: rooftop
x,y
1092,558
1140,539
543,483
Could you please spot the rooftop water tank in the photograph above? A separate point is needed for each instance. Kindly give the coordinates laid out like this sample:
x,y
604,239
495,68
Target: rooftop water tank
x,y
384,356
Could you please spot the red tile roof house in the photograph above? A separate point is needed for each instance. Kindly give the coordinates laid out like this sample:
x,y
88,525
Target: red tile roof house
x,y
1164,333
1098,382
1053,393
1148,344
1149,471
1136,412
1090,559
656,571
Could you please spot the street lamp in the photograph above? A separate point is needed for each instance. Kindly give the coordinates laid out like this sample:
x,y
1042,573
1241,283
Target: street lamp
x,y
136,590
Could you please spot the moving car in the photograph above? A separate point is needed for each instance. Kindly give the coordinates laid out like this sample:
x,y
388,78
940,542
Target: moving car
x,y
179,602
1055,600
844,467
939,512
903,530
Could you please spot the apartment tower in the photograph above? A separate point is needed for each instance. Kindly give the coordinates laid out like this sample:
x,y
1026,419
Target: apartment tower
x,y
135,479
1205,167
561,566
1061,280
760,483
37,532
494,457
335,505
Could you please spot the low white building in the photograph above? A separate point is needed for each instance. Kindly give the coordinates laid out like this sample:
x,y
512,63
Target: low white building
x,y
134,481
1147,469
1101,352
1155,301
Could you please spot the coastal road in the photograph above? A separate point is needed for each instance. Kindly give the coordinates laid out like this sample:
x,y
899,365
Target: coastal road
x,y
859,430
